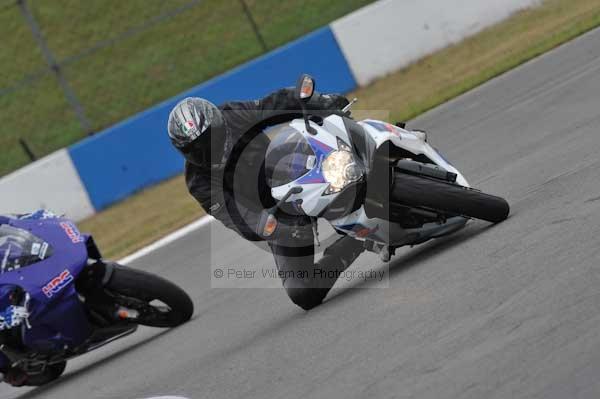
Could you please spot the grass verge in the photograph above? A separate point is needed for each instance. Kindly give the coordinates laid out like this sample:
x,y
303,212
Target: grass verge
x,y
121,57
143,218
429,82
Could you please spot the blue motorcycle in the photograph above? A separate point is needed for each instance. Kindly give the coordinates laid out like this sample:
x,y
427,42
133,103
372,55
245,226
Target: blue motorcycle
x,y
59,299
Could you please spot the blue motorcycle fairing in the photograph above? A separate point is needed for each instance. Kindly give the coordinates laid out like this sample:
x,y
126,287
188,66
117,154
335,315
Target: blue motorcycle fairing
x,y
57,316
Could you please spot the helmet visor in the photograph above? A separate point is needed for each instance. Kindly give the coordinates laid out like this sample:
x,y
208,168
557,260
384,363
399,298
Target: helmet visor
x,y
207,149
198,151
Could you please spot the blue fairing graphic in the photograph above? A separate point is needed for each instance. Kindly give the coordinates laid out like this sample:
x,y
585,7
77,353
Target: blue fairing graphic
x,y
359,230
382,127
321,150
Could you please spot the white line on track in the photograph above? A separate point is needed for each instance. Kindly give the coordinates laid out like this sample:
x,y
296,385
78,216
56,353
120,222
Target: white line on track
x,y
167,397
176,235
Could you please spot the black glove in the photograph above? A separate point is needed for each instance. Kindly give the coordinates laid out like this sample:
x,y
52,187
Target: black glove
x,y
334,101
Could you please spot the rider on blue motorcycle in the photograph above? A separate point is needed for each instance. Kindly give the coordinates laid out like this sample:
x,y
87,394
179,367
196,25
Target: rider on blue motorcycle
x,y
214,140
11,316
13,300
60,299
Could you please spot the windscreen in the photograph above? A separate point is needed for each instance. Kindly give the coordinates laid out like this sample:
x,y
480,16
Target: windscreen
x,y
289,156
20,248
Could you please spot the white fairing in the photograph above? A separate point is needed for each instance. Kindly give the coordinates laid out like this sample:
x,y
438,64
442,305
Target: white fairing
x,y
313,201
357,224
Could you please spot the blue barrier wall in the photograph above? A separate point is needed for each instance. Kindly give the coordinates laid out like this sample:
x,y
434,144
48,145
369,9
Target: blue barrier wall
x,y
136,153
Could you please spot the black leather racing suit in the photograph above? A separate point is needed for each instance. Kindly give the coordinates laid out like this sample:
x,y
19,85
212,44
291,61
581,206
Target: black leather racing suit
x,y
234,190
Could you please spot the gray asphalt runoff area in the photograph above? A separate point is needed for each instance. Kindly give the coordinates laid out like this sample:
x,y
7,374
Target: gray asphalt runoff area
x,y
496,311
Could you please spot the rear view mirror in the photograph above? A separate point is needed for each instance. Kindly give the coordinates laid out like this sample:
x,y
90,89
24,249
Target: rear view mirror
x,y
305,87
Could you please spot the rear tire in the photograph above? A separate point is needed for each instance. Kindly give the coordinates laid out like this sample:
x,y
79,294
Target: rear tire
x,y
51,373
423,192
147,287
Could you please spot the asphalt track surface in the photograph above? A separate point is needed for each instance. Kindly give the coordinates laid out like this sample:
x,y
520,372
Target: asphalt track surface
x,y
505,311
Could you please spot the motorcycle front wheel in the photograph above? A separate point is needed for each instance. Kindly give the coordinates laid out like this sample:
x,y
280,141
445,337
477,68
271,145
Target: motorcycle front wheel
x,y
159,302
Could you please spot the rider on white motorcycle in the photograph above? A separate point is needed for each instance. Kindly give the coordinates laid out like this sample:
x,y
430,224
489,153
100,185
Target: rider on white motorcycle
x,y
214,141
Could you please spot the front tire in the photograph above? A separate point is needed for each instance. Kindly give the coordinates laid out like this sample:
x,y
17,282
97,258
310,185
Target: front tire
x,y
137,289
423,192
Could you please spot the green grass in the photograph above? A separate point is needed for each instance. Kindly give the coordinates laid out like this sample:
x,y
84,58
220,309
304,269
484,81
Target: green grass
x,y
406,93
132,74
149,215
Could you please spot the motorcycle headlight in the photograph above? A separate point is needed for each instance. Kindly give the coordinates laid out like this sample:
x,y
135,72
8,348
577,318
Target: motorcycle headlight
x,y
340,169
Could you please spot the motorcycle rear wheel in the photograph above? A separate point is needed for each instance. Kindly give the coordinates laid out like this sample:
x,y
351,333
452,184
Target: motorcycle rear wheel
x,y
429,193
136,289
51,373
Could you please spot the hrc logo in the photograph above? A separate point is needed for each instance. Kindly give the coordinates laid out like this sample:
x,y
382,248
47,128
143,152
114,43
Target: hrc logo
x,y
72,232
57,284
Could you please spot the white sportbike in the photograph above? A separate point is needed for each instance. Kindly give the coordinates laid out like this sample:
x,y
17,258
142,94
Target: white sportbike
x,y
372,180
